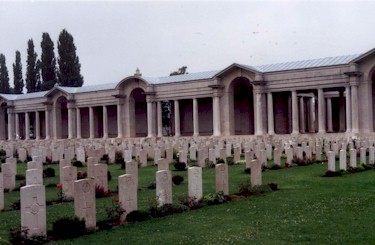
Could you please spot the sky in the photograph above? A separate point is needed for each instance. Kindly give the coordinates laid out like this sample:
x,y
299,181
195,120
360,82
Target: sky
x,y
113,38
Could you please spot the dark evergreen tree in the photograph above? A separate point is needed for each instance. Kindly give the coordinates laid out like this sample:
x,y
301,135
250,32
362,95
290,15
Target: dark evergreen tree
x,y
180,71
17,74
4,76
47,63
32,71
69,73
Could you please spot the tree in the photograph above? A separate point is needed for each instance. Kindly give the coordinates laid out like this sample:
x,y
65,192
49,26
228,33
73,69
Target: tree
x,y
47,63
69,67
17,74
180,71
32,70
4,76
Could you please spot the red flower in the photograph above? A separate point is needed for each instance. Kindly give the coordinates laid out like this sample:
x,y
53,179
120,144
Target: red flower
x,y
116,200
59,186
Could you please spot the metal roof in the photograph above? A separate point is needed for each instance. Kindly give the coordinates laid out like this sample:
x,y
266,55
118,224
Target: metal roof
x,y
294,65
304,64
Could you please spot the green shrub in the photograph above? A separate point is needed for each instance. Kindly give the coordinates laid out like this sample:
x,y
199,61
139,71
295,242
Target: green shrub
x,y
330,173
137,216
68,227
220,160
114,212
151,186
3,153
19,236
49,172
109,175
230,160
215,199
245,189
20,177
77,164
180,166
177,179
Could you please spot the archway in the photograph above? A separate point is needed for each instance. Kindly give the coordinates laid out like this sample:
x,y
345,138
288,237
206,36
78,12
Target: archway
x,y
138,113
61,118
243,106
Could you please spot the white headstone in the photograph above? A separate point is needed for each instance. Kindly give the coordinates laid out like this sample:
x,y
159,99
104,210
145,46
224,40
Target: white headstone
x,y
127,191
164,187
68,175
84,201
353,158
101,176
9,176
33,210
163,164
34,177
343,159
331,161
256,173
1,192
195,183
222,184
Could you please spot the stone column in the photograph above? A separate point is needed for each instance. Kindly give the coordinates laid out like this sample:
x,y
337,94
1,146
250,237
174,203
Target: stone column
x,y
311,115
355,123
295,126
258,114
119,121
270,119
348,106
78,112
216,116
149,119
302,114
47,118
195,117
91,119
342,112
177,118
70,123
17,126
105,122
329,115
322,127
160,119
10,125
27,126
37,125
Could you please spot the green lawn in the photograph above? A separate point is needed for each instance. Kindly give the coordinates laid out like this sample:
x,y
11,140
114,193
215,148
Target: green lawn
x,y
309,209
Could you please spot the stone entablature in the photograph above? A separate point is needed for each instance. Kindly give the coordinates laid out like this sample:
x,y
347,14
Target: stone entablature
x,y
317,96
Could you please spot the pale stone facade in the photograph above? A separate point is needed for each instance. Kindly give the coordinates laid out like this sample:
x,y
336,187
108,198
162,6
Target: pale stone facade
x,y
331,95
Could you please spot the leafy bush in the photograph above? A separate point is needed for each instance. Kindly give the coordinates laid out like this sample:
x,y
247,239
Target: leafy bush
x,y
81,174
245,189
217,198
209,164
191,203
77,164
177,179
180,166
49,172
230,160
118,157
20,177
100,192
247,170
109,175
220,160
167,209
151,186
137,216
68,227
330,173
114,212
19,236
105,158
3,153
273,186
16,205
275,167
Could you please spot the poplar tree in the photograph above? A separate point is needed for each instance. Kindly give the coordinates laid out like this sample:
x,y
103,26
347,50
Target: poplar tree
x,y
4,76
17,74
32,70
47,63
69,73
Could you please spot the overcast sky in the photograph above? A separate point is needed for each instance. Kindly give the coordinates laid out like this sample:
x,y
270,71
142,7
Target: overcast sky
x,y
114,38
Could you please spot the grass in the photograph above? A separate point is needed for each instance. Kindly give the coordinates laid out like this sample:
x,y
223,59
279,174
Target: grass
x,y
309,209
